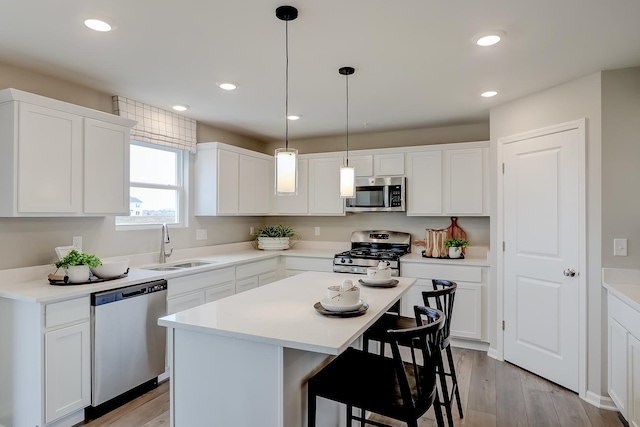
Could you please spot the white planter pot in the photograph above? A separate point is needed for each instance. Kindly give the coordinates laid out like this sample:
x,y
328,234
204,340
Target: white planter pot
x,y
455,252
273,243
78,273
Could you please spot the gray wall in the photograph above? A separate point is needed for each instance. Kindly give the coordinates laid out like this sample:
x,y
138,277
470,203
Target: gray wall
x,y
571,101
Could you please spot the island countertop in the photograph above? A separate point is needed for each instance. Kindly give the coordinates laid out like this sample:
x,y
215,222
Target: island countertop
x,y
282,313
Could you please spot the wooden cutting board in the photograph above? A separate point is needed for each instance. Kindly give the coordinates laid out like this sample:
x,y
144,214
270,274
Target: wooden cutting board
x,y
455,232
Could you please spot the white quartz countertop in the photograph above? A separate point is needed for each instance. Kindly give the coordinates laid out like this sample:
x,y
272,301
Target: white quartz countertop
x,y
473,259
624,284
282,313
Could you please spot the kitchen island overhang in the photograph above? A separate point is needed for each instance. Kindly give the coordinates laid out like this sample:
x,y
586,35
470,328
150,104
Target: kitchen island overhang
x,y
245,359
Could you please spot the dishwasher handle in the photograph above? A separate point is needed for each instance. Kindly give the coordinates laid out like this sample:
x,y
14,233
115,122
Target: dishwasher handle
x,y
115,295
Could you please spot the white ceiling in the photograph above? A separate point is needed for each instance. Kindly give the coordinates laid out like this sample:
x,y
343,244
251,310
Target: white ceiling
x,y
416,65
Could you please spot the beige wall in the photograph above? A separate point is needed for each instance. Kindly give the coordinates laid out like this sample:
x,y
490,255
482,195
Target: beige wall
x,y
577,99
621,165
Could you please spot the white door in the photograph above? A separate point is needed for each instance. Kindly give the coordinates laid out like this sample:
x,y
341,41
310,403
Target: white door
x,y
543,190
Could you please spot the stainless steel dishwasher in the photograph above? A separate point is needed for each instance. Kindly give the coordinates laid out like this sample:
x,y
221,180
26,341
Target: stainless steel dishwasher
x,y
128,347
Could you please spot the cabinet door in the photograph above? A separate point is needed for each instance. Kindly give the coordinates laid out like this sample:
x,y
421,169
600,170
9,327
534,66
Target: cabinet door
x,y
266,278
246,284
362,164
618,374
424,183
298,204
388,164
49,161
219,291
106,168
185,302
253,189
634,382
324,186
463,181
227,183
67,370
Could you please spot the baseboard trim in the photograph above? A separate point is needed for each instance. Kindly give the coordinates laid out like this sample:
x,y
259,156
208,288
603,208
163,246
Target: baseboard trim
x,y
493,353
601,402
469,344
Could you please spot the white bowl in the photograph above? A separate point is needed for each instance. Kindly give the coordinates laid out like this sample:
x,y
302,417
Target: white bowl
x,y
379,273
111,269
337,297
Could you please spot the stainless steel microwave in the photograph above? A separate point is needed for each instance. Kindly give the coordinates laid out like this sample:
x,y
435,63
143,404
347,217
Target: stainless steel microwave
x,y
378,194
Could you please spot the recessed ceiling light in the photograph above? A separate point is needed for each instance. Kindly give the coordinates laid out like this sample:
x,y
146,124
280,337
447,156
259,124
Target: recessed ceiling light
x,y
488,38
99,24
489,93
293,117
227,86
181,107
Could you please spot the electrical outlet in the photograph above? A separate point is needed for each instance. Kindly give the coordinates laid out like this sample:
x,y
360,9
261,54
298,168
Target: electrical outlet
x,y
619,247
201,234
77,243
251,231
317,231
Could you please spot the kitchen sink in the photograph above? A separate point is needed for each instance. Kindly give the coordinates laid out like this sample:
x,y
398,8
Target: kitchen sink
x,y
180,265
189,264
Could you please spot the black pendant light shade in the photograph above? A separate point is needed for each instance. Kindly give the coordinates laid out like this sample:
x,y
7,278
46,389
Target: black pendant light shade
x,y
347,173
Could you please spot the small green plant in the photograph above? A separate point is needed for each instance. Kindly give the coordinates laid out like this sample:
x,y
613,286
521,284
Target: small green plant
x,y
76,258
456,243
277,230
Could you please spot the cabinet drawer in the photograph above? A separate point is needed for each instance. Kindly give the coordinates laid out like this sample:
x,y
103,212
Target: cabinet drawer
x,y
624,314
70,311
256,268
266,278
219,292
246,284
309,264
194,282
446,272
185,302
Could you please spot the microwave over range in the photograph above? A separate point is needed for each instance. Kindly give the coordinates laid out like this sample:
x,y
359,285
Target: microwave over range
x,y
378,194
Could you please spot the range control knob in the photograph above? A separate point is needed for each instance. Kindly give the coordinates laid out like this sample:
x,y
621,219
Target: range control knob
x,y
350,261
342,260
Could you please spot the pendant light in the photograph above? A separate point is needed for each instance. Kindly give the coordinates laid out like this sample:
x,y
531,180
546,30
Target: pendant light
x,y
286,158
347,173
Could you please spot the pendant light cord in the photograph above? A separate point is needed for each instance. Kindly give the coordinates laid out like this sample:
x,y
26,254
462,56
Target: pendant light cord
x,y
286,101
347,76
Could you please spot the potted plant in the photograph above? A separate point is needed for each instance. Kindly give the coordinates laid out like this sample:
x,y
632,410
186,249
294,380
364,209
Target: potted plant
x,y
455,247
77,265
275,237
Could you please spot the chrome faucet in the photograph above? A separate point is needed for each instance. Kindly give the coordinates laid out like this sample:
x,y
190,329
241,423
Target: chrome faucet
x,y
165,239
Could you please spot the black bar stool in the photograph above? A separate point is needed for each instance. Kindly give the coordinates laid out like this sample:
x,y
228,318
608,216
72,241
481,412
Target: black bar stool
x,y
391,387
441,297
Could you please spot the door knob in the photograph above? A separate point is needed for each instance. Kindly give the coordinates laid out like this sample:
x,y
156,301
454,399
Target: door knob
x,y
569,272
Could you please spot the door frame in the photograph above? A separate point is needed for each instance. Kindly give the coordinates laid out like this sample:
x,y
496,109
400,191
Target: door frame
x,y
580,126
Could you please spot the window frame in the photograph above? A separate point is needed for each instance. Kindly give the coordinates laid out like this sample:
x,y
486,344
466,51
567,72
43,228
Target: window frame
x,y
182,170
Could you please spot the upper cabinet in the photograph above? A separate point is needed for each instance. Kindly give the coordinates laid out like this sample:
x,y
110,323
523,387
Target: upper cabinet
x,y
386,164
324,186
448,181
231,181
59,159
298,204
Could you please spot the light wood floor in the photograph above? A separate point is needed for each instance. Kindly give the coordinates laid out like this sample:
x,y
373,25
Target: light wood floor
x,y
494,394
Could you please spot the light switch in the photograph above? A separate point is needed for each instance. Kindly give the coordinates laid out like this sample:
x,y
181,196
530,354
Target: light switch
x,y
317,231
619,247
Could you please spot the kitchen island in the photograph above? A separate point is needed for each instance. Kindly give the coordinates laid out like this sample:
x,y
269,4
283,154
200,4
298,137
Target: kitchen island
x,y
244,360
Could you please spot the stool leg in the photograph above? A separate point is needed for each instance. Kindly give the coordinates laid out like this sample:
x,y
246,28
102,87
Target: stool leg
x,y
446,402
438,411
311,405
452,369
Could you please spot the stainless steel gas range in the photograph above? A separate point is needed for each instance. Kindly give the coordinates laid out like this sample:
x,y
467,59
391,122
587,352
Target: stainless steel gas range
x,y
369,247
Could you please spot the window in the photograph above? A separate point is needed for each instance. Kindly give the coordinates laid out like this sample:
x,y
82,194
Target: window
x,y
156,188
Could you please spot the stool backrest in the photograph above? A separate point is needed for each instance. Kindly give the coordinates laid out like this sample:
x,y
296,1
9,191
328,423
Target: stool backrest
x,y
417,378
442,297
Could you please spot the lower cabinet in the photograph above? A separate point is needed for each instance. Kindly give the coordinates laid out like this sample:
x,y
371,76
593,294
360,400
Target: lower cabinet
x,y
298,265
191,291
624,359
258,273
468,315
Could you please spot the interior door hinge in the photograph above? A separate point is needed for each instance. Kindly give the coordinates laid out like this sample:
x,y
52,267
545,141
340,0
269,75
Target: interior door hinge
x,y
504,245
503,323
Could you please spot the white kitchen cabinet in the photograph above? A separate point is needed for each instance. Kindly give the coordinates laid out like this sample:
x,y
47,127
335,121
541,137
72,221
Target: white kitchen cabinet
x,y
296,265
106,168
185,302
624,358
389,164
448,181
468,315
67,370
324,186
231,181
298,204
191,291
254,274
60,159
363,165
